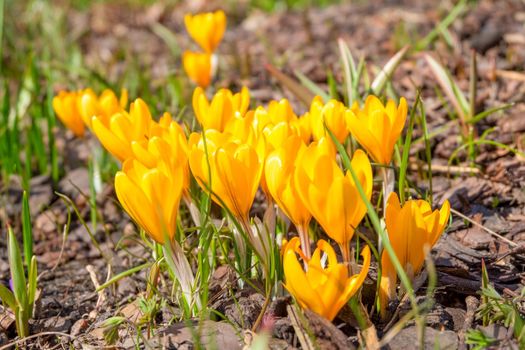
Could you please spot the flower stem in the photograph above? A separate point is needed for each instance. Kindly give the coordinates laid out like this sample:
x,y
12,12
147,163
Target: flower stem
x,y
302,230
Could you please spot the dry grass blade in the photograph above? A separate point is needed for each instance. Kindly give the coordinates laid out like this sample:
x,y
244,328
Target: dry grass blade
x,y
302,335
386,73
451,90
291,84
464,217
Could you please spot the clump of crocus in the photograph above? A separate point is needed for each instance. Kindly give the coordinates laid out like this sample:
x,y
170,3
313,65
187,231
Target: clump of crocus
x,y
279,173
330,195
413,229
377,127
207,29
65,105
231,171
224,105
149,187
323,288
75,109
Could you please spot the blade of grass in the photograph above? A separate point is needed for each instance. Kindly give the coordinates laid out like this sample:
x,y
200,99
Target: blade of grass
x,y
301,92
406,150
428,151
447,21
386,73
313,87
27,233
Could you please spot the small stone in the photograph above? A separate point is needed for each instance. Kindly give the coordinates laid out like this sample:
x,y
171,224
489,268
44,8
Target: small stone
x,y
79,326
407,339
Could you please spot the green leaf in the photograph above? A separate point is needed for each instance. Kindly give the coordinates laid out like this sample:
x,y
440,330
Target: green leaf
x,y
7,297
17,270
488,112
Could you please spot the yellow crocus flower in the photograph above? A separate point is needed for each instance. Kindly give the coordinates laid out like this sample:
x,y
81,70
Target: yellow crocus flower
x,y
224,105
279,169
103,106
167,146
198,66
332,196
322,289
207,29
412,228
377,127
332,114
117,133
150,196
66,107
235,169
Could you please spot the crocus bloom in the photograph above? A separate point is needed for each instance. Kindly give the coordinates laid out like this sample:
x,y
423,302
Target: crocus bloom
x,y
332,196
322,289
103,106
207,29
117,133
377,127
199,67
411,228
66,107
332,114
167,145
151,196
235,170
279,170
223,107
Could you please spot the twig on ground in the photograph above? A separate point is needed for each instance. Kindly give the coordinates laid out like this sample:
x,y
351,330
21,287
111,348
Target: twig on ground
x,y
464,217
472,305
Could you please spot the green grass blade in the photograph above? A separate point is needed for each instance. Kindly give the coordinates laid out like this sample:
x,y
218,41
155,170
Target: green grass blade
x,y
27,231
32,284
313,87
7,297
428,150
447,21
482,115
406,150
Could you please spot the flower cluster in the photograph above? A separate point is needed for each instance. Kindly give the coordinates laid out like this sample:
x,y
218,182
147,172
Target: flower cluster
x,y
207,30
291,158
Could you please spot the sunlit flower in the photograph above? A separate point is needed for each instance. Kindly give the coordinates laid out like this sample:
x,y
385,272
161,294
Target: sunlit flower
x,y
279,171
332,114
412,229
66,107
117,133
105,106
151,196
235,170
199,67
377,127
323,288
167,146
332,196
223,107
207,29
